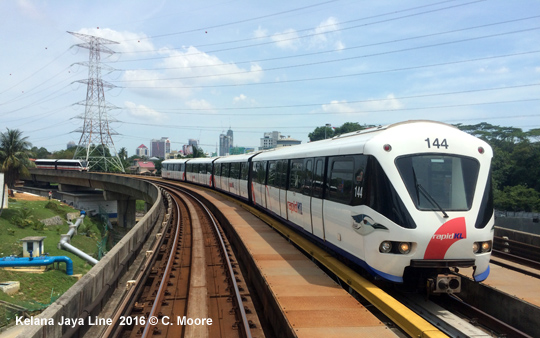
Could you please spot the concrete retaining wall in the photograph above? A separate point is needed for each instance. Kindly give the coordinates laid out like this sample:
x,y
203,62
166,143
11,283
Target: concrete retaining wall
x,y
84,298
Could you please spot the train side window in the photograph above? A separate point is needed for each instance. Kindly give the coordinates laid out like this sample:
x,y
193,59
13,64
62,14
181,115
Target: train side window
x,y
297,176
209,168
225,169
189,167
272,173
235,170
283,174
360,162
217,169
308,177
244,169
260,172
340,179
202,168
318,178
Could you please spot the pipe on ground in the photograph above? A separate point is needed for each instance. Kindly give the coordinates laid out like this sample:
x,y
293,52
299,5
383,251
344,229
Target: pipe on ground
x,y
17,262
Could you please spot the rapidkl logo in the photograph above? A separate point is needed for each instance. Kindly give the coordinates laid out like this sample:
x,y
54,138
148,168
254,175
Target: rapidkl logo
x,y
295,207
447,234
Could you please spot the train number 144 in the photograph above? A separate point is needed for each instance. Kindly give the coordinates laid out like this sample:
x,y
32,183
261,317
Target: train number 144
x,y
436,143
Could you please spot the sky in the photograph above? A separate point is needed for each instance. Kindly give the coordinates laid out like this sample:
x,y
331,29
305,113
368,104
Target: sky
x,y
193,69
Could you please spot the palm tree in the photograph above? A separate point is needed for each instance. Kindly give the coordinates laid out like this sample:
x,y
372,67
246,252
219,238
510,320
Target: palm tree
x,y
14,154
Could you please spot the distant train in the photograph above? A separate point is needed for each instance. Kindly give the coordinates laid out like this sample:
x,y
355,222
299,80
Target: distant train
x,y
78,165
409,202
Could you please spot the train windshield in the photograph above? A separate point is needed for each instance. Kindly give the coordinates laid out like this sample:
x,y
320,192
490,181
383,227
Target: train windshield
x,y
435,182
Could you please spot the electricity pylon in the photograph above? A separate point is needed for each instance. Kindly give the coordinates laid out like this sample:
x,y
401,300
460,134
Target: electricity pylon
x,y
96,145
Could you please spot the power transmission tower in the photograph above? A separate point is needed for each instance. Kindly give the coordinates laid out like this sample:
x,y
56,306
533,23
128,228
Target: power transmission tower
x,y
96,145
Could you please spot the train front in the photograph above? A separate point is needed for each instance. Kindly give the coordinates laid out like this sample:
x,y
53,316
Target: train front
x,y
442,214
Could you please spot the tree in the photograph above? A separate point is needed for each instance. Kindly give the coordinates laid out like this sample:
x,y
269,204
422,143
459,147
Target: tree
x,y
123,155
14,154
197,152
320,133
40,152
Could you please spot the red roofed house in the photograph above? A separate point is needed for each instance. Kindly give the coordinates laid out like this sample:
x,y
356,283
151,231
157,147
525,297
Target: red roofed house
x,y
141,167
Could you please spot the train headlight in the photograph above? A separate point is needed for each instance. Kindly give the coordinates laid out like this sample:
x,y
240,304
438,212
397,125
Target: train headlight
x,y
475,247
486,246
481,150
404,248
387,147
385,247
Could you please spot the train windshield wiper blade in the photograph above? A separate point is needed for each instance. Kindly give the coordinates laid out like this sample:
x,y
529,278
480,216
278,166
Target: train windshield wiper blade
x,y
430,199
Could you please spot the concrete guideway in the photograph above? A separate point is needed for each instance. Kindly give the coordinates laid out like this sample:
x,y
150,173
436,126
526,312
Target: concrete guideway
x,y
86,296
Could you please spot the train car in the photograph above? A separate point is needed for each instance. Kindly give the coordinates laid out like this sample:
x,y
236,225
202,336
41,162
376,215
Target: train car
x,y
77,165
409,201
199,170
174,169
232,174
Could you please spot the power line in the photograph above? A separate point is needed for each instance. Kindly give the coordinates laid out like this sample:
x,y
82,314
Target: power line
x,y
310,29
333,50
307,64
344,75
199,110
234,22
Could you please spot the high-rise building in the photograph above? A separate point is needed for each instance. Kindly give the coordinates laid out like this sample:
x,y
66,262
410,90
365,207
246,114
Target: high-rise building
x,y
160,148
269,140
225,143
142,150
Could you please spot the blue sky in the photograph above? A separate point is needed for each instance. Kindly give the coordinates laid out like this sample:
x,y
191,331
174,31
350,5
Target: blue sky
x,y
191,69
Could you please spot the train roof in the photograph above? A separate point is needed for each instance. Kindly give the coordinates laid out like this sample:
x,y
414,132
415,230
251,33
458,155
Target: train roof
x,y
179,160
237,158
202,159
355,142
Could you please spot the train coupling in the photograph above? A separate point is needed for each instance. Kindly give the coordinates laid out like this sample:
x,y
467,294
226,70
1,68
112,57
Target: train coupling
x,y
445,284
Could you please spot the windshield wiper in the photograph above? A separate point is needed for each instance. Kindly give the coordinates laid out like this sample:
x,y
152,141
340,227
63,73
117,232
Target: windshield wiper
x,y
430,198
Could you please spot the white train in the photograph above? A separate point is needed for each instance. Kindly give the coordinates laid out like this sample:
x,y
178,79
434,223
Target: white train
x,y
409,202
78,165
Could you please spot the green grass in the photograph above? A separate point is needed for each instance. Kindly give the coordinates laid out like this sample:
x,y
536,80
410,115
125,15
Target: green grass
x,y
38,287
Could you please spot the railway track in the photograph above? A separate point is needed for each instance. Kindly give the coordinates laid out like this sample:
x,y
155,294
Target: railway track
x,y
190,286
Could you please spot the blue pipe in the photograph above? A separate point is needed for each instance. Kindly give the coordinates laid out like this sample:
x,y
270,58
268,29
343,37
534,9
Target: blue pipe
x,y
36,261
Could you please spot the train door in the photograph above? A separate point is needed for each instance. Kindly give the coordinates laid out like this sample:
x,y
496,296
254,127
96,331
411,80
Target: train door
x,y
234,178
217,175
298,204
317,219
258,183
283,168
225,171
243,183
272,187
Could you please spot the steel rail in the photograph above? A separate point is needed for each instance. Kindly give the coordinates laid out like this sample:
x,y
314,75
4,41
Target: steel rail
x,y
243,314
166,275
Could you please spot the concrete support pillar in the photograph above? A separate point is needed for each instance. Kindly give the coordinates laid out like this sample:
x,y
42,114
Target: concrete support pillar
x,y
125,206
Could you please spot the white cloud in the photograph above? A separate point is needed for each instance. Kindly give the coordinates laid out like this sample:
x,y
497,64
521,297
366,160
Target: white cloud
x,y
143,112
325,35
500,70
260,33
365,107
240,98
244,100
181,73
288,39
128,42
